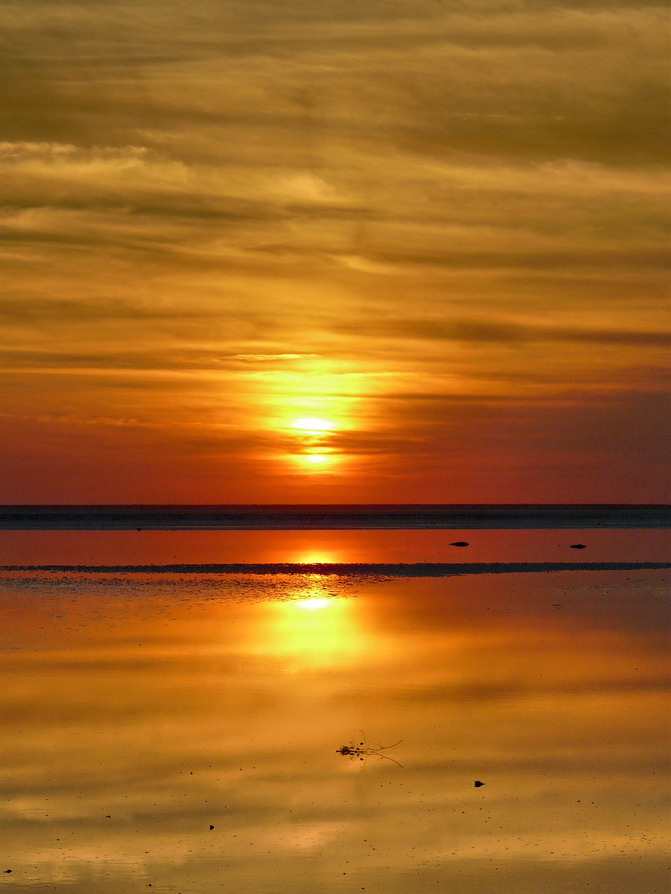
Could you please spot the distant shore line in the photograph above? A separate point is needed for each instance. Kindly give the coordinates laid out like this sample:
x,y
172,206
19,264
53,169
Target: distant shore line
x,y
344,569
458,517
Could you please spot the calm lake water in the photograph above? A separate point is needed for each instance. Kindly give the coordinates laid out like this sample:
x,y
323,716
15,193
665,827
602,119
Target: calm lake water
x,y
140,710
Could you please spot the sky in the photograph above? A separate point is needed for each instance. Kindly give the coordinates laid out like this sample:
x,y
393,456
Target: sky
x,y
344,252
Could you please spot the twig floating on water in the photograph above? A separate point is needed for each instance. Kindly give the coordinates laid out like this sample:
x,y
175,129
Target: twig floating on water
x,y
362,750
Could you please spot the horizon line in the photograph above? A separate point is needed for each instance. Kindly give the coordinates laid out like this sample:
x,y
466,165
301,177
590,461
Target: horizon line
x,y
334,516
4,506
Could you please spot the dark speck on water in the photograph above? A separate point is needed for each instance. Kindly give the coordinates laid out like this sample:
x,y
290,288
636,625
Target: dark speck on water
x,y
577,546
477,783
459,543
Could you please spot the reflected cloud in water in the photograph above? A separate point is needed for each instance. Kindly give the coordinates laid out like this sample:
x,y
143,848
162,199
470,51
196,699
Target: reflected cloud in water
x,y
138,711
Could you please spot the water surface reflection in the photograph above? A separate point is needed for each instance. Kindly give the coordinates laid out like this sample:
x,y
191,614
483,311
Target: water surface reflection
x,y
140,711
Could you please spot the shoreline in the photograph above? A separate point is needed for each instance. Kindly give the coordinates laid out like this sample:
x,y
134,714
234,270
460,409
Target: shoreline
x,y
344,569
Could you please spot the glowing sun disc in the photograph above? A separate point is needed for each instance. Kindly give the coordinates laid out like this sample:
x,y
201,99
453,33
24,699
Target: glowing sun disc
x,y
312,424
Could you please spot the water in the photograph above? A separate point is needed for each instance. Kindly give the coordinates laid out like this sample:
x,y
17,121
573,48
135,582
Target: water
x,y
140,709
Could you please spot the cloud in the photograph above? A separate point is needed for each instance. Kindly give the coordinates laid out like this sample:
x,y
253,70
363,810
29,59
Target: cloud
x,y
269,358
460,202
502,332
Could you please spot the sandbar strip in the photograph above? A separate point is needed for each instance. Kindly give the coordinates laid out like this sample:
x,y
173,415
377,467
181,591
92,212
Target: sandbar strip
x,y
345,569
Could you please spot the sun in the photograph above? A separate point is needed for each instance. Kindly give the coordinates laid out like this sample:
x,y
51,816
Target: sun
x,y
312,425
312,442
316,459
312,436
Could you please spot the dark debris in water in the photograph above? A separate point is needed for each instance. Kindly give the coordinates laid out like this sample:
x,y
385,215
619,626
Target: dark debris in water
x,y
362,750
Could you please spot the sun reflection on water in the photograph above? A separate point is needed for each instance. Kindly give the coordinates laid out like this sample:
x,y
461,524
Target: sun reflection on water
x,y
314,627
313,603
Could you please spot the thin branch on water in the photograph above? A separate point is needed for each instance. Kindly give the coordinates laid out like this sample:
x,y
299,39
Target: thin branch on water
x,y
362,750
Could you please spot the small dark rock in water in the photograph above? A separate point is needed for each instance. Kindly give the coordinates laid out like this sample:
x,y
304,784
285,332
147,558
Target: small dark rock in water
x,y
577,546
477,783
211,827
8,870
459,543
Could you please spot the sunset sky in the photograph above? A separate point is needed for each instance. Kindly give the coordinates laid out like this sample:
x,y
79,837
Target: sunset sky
x,y
371,251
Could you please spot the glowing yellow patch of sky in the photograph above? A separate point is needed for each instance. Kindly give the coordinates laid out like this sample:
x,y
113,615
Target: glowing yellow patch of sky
x,y
306,412
312,434
316,459
311,463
